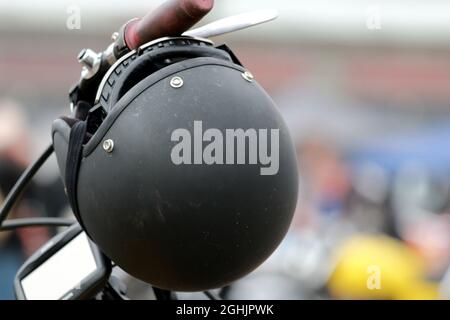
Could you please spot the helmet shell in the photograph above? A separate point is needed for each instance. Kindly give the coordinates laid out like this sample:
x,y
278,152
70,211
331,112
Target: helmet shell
x,y
186,227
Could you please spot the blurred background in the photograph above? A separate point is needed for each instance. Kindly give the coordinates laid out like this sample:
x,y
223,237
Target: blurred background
x,y
365,89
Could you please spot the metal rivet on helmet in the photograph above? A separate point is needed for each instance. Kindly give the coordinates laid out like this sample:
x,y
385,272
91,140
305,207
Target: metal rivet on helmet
x,y
108,145
176,82
248,76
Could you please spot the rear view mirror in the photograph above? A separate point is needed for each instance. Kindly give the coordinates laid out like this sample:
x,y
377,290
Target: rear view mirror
x,y
69,266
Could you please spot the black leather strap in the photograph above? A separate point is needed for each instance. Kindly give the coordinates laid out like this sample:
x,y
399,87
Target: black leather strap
x,y
74,154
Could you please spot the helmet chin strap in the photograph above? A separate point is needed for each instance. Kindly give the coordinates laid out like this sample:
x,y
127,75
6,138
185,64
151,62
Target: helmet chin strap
x,y
77,137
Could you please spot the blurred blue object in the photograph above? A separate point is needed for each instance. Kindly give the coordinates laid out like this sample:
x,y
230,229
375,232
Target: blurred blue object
x,y
11,260
428,147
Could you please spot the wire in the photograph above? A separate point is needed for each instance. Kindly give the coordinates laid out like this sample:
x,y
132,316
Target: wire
x,y
36,222
211,295
22,183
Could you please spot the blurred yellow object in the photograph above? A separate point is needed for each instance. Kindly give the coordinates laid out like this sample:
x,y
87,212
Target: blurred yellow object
x,y
379,267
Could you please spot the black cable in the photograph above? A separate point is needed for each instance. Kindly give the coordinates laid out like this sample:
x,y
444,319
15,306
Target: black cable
x,y
211,295
36,222
21,184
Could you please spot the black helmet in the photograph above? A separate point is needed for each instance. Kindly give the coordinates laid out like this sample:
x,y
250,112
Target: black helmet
x,y
184,173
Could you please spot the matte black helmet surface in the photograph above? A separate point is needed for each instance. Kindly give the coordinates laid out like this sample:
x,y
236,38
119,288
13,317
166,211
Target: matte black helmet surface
x,y
189,179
